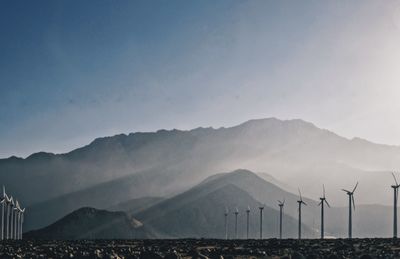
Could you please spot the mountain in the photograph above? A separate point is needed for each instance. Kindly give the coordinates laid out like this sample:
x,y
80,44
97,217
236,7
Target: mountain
x,y
199,212
167,162
264,192
195,213
91,223
102,196
136,205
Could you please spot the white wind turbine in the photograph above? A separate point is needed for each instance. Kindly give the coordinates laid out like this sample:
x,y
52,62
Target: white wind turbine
x,y
16,219
12,204
8,208
3,204
21,222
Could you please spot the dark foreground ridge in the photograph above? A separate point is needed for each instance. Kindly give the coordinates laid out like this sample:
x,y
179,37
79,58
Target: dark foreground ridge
x,y
203,248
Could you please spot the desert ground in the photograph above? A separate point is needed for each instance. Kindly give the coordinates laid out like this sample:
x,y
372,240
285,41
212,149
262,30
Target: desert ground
x,y
203,248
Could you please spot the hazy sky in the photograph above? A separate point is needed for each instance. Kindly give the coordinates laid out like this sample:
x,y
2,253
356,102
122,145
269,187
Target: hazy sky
x,y
71,71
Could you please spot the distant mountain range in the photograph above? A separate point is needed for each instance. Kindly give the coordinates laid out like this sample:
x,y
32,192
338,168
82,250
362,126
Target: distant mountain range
x,y
196,213
115,170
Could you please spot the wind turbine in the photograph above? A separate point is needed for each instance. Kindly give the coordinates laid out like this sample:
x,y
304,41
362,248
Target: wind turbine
x,y
236,217
395,197
16,219
226,222
281,204
261,212
21,222
248,221
351,202
12,204
300,202
321,203
3,204
8,205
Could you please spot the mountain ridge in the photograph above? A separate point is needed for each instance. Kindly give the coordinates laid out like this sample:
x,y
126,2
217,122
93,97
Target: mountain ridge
x,y
248,122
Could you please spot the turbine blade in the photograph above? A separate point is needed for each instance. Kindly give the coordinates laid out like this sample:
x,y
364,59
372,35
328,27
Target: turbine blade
x,y
394,177
283,201
345,190
355,187
327,203
304,203
354,205
319,204
323,188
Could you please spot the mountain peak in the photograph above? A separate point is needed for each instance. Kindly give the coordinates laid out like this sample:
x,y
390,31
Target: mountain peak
x,y
272,121
40,155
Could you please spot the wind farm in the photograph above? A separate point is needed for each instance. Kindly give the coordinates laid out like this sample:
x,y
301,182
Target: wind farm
x,y
12,218
199,129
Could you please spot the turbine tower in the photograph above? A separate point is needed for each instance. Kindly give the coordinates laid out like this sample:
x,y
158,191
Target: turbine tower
x,y
236,217
261,212
248,221
21,222
300,202
3,204
226,223
321,203
281,204
16,221
351,202
8,208
12,204
395,197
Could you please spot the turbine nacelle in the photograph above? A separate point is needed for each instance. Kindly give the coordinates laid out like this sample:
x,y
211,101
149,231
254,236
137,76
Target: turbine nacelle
x,y
300,201
351,194
323,198
225,213
397,185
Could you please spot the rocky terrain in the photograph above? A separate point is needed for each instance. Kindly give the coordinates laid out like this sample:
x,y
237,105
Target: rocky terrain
x,y
203,248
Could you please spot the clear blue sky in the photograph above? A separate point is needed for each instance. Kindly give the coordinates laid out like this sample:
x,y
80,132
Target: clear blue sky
x,y
71,71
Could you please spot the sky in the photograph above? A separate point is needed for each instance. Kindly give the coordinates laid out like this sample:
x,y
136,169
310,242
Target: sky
x,y
72,71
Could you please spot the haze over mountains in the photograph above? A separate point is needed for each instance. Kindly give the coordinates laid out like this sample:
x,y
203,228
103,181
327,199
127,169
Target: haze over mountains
x,y
198,212
114,170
